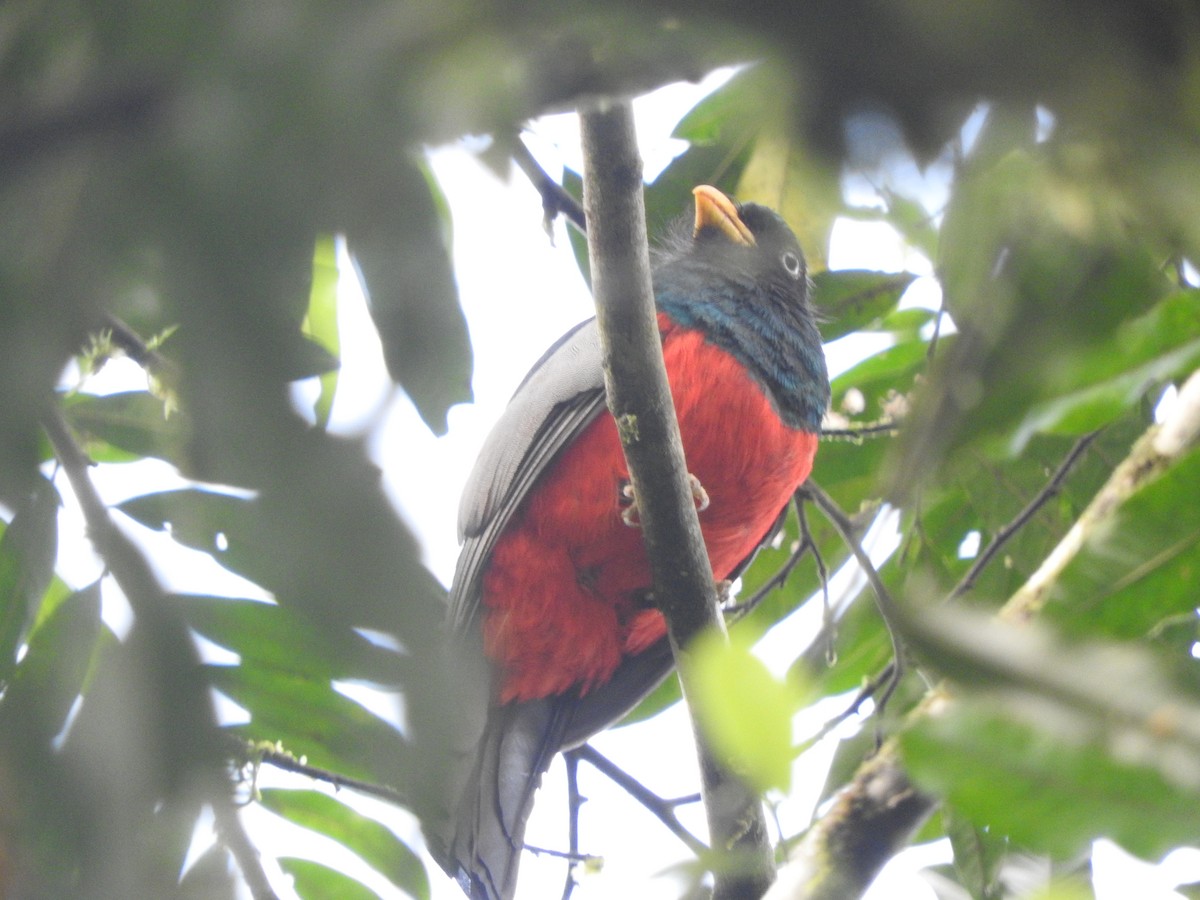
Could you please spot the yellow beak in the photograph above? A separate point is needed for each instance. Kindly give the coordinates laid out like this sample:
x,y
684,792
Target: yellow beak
x,y
715,210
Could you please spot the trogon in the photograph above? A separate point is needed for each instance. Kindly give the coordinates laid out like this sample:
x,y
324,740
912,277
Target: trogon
x,y
552,584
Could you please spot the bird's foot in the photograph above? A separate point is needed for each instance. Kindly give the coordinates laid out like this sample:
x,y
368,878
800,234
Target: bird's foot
x,y
630,515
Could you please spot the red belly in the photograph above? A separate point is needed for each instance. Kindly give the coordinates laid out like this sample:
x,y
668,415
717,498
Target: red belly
x,y
565,591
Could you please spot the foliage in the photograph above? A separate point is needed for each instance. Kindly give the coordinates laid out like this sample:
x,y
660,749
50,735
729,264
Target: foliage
x,y
169,170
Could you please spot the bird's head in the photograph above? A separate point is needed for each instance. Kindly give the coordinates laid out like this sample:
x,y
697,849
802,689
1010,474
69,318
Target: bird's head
x,y
737,244
736,272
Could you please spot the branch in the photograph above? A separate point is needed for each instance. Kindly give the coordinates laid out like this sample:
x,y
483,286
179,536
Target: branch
x,y
1154,451
640,402
889,610
555,198
663,810
574,803
286,762
1005,534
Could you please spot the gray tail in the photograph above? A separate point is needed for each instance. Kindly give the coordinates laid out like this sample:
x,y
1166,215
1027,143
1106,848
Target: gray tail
x,y
480,844
518,743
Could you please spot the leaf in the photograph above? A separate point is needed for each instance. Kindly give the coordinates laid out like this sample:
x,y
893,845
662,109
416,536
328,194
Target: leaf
x,y
223,525
51,675
851,299
1138,572
321,321
978,856
799,185
314,881
405,263
313,720
27,552
745,712
134,422
273,637
1057,744
372,841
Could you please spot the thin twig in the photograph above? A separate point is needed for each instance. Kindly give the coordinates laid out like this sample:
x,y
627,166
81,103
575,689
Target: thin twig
x,y
286,762
887,427
888,608
661,809
574,803
1005,534
744,607
136,348
555,198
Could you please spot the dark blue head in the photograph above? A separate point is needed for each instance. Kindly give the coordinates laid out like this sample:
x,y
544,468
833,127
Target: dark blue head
x,y
737,273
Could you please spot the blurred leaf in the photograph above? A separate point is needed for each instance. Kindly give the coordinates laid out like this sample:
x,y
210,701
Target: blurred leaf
x,y
978,856
209,876
51,674
313,720
28,549
223,525
373,842
744,710
412,296
572,183
1055,744
134,422
321,322
273,637
850,300
314,881
1139,571
800,186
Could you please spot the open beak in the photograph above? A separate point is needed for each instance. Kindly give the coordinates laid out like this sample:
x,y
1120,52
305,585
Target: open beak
x,y
715,210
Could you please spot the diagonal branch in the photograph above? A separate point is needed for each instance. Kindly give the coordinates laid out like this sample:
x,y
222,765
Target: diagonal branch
x,y
661,809
1044,496
555,199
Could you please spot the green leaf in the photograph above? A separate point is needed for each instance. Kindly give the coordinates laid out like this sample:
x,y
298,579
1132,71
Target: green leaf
x,y
321,321
1056,744
373,842
222,525
273,637
313,720
314,881
746,713
804,188
27,552
978,856
1138,573
852,299
52,673
135,423
405,263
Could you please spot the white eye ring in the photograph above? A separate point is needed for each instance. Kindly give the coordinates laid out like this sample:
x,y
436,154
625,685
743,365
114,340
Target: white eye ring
x,y
791,263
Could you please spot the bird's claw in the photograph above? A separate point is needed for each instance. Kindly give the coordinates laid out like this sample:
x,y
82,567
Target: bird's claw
x,y
630,515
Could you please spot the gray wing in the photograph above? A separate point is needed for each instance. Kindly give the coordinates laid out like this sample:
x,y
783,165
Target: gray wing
x,y
561,395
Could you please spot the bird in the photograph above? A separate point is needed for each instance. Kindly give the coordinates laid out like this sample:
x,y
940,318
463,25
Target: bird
x,y
551,595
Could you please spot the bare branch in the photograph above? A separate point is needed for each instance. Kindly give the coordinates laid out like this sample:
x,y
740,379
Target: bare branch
x,y
286,762
1005,534
555,199
662,809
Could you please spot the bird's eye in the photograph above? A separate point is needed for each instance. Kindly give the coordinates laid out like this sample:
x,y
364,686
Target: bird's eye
x,y
791,262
